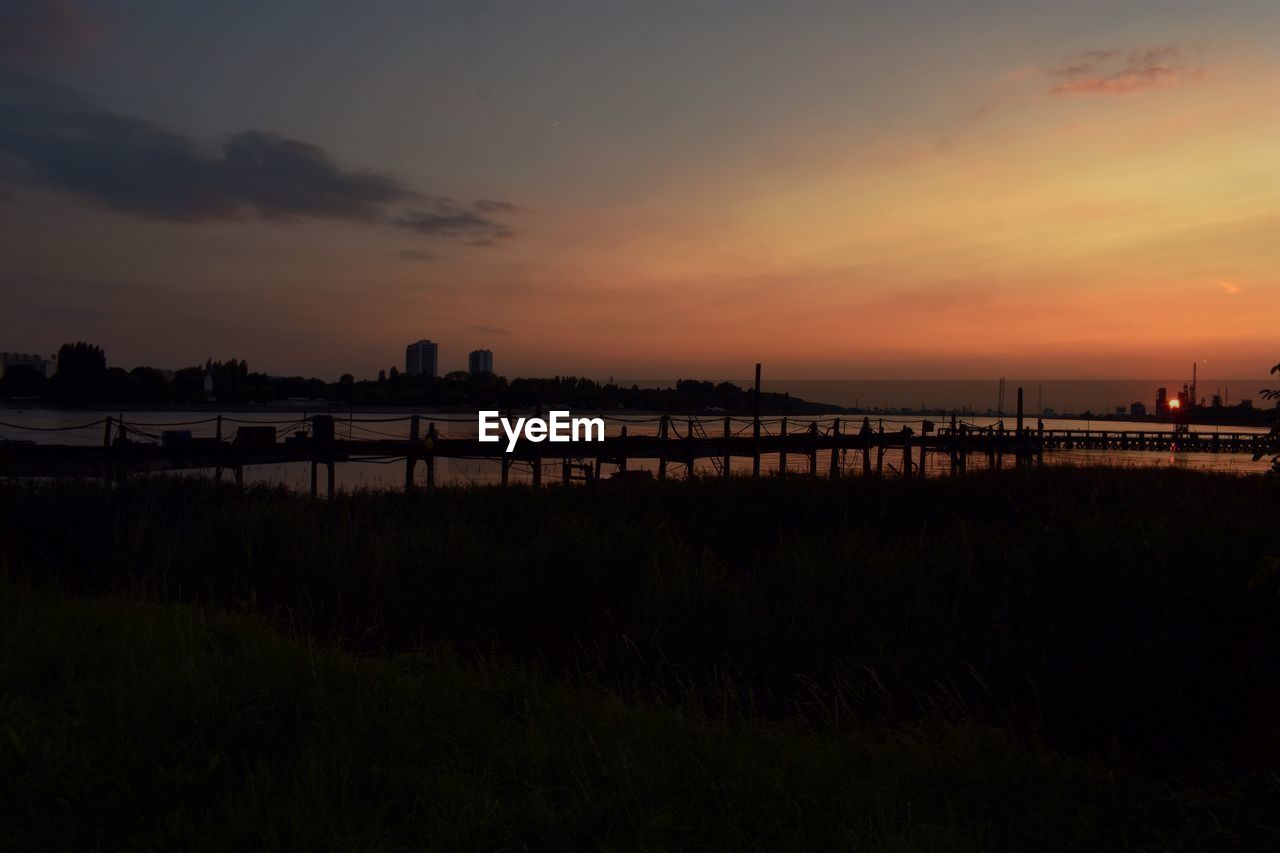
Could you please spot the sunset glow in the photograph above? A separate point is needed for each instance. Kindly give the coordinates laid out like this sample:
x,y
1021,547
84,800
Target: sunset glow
x,y
887,190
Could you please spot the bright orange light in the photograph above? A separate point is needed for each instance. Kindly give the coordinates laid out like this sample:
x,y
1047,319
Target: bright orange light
x,y
1175,404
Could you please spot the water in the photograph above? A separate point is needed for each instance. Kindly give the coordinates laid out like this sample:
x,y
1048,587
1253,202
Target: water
x,y
1099,396
86,428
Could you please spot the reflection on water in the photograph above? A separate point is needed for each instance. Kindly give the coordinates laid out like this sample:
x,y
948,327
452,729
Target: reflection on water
x,y
78,427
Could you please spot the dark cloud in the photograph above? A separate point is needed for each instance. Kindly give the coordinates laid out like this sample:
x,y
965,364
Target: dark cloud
x,y
485,205
51,137
1109,72
493,330
39,29
444,217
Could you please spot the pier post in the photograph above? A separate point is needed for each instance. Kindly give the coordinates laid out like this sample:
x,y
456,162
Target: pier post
x,y
865,432
322,448
782,454
106,445
662,452
431,454
880,450
693,454
755,429
955,463
813,449
622,450
505,462
411,459
217,434
537,469
906,453
1020,455
725,472
835,449
328,464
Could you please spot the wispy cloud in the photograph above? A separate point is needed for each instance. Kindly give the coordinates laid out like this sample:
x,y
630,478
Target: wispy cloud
x,y
494,330
417,255
1112,72
55,138
1229,288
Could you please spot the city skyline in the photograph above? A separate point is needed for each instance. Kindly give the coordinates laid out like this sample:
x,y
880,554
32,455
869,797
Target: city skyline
x,y
932,190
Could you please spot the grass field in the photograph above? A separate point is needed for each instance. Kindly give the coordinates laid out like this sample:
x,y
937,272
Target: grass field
x,y
1050,659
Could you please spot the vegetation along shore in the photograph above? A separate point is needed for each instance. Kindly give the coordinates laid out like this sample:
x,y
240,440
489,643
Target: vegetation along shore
x,y
1040,659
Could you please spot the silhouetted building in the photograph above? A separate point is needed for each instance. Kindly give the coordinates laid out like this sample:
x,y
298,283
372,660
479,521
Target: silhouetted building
x,y
1138,410
1246,403
1162,401
38,364
1122,410
421,358
480,361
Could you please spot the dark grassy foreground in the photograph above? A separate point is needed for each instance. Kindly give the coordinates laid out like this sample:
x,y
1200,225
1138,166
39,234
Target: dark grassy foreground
x,y
1056,659
131,725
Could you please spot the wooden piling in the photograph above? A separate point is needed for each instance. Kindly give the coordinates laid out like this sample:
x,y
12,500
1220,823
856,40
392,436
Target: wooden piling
x,y
955,462
755,429
622,450
906,453
692,459
431,455
662,454
782,454
1020,453
835,449
880,451
813,449
923,445
217,434
411,458
727,435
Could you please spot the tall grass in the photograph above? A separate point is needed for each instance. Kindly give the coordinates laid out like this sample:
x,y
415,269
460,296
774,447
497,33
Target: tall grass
x,y
1125,612
129,726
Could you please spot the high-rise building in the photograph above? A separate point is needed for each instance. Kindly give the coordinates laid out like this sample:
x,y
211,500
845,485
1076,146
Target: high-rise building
x,y
480,361
420,358
1162,401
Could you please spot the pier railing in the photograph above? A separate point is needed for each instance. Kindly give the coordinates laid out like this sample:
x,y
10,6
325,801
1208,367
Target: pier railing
x,y
665,445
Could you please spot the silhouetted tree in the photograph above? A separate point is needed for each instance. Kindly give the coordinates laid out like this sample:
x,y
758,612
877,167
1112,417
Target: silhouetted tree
x,y
82,370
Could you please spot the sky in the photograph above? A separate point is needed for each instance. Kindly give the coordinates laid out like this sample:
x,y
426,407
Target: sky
x,y
838,190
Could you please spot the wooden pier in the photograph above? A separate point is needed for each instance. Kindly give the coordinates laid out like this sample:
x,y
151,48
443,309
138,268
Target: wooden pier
x,y
675,447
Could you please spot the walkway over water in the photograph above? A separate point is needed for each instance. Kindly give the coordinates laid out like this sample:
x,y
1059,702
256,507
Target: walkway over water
x,y
658,445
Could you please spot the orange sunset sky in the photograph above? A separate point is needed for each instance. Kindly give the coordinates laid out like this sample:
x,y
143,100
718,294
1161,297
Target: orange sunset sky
x,y
668,189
